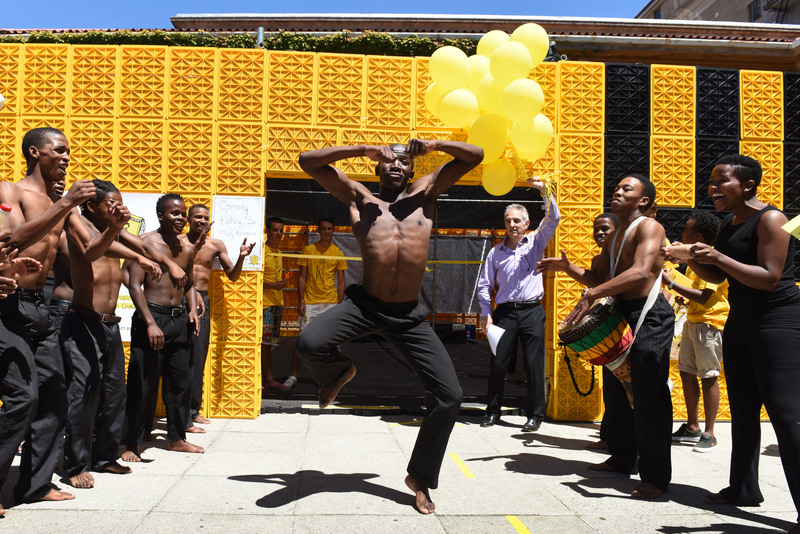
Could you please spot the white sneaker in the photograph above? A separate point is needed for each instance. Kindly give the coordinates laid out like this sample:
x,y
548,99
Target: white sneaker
x,y
290,382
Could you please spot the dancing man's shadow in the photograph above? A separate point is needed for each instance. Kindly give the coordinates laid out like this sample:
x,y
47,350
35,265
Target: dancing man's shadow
x,y
319,482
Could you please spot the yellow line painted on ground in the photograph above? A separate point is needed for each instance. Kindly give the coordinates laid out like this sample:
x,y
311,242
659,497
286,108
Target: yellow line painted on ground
x,y
517,524
461,465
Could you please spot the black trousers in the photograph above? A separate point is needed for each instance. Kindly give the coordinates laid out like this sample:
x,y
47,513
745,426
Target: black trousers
x,y
404,325
96,412
32,382
199,354
527,325
762,365
643,434
146,366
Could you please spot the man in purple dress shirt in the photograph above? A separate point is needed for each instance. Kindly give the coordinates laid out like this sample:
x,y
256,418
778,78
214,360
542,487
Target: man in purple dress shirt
x,y
518,310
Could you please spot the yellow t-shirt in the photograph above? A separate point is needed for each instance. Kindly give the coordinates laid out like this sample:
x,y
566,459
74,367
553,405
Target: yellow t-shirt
x,y
715,310
273,272
321,273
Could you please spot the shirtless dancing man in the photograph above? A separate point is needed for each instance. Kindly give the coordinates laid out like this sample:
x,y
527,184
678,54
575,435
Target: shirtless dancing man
x,y
393,231
643,433
160,336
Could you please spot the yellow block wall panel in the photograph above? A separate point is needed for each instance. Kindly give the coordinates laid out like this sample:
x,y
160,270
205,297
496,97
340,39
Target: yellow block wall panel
x,y
290,89
236,307
140,158
390,93
94,81
191,198
770,155
547,75
46,77
192,83
287,142
11,167
234,390
574,232
240,158
93,145
11,64
564,402
582,91
242,84
546,166
672,100
581,158
672,161
143,81
761,97
190,161
430,162
340,92
423,118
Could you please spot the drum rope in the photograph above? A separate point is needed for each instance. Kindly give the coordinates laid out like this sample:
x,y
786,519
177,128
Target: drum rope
x,y
572,375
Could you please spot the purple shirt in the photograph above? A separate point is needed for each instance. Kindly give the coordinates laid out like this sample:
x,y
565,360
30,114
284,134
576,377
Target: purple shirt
x,y
515,270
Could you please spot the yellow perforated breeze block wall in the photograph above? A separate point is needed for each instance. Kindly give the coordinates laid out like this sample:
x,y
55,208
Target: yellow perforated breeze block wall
x,y
204,121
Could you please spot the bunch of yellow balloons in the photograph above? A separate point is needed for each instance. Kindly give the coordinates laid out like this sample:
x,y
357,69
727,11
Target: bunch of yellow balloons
x,y
491,95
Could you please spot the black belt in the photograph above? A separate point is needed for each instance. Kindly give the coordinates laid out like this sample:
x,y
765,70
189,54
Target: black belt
x,y
31,295
59,303
107,318
172,311
521,304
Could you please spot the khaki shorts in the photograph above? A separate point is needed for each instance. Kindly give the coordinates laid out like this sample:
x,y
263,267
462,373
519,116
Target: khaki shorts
x,y
700,353
271,321
313,310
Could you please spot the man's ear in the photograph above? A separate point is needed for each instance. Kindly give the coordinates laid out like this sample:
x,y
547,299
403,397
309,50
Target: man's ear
x,y
91,205
33,150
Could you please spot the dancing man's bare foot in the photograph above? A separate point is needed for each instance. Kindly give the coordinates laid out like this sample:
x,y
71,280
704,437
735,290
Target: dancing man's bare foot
x,y
184,446
200,420
424,503
277,385
602,466
195,430
115,468
55,495
2,511
645,490
131,455
82,480
328,394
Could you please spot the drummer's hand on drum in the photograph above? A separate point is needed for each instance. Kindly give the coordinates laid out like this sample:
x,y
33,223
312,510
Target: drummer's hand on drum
x,y
486,322
553,264
580,309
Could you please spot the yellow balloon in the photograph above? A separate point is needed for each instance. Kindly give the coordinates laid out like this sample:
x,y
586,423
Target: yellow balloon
x,y
523,99
449,67
478,67
490,94
458,108
490,41
510,61
499,177
533,156
433,95
535,40
490,132
532,137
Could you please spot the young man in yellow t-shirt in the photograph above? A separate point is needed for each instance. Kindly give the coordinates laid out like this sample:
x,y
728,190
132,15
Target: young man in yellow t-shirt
x,y
321,282
700,351
274,282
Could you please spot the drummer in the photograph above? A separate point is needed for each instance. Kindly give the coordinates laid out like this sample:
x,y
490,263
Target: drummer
x,y
638,435
518,309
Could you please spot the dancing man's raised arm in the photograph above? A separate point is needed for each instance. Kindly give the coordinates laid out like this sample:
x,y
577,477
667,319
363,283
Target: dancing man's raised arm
x,y
318,164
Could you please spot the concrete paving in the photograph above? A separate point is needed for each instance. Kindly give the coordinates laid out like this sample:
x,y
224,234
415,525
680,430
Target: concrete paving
x,y
340,472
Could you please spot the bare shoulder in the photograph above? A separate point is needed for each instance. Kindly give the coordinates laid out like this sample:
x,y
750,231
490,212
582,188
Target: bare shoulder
x,y
773,218
650,229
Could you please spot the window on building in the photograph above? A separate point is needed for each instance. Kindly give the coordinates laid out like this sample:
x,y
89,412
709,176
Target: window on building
x,y
657,13
755,10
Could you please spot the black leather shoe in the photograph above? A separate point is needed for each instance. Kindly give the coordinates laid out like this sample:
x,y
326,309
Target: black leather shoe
x,y
532,425
490,420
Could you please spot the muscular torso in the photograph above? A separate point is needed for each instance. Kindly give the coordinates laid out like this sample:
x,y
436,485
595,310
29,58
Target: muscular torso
x,y
393,239
62,281
95,284
181,253
33,203
641,237
203,260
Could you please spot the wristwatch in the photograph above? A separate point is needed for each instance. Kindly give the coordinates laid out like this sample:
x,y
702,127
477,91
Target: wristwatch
x,y
671,284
